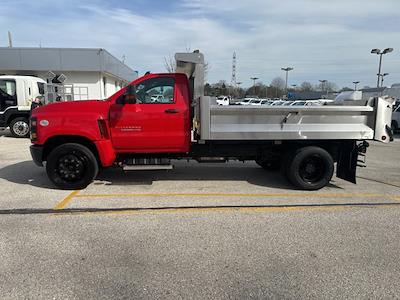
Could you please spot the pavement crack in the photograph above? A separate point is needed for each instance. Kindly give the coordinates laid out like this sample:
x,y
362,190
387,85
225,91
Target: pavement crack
x,y
245,208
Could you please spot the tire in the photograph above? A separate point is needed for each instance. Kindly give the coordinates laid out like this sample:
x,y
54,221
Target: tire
x,y
71,166
309,168
269,165
19,127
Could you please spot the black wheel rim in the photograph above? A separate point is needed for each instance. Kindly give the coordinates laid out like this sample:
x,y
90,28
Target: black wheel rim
x,y
312,169
71,167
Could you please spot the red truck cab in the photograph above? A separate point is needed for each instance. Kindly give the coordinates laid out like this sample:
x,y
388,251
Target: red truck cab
x,y
75,138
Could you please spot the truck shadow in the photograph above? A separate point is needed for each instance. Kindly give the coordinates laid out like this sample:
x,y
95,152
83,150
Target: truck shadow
x,y
27,172
247,172
5,133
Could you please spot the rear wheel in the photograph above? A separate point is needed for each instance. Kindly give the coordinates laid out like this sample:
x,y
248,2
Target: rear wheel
x,y
19,127
71,166
309,168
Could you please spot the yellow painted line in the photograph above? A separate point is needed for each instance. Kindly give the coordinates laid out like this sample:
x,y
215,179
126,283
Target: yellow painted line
x,y
277,195
397,198
160,211
63,203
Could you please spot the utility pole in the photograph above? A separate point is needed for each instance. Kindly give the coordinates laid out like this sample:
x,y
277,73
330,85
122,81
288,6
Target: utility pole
x,y
323,82
233,79
383,77
10,44
287,70
238,87
355,85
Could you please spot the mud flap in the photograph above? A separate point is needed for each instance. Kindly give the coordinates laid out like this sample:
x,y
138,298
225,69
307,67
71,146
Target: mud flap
x,y
347,161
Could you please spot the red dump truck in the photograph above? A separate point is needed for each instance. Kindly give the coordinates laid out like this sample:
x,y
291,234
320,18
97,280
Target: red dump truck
x,y
159,118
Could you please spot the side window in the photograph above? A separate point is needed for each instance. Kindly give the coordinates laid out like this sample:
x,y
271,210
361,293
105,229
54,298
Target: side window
x,y
8,95
156,91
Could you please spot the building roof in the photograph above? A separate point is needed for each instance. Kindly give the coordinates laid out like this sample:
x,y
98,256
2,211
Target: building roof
x,y
312,95
64,59
373,90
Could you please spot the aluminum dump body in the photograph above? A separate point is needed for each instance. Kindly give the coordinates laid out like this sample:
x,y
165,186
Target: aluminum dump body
x,y
295,123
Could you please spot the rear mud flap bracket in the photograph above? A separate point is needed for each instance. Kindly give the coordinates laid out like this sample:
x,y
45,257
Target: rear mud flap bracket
x,y
347,162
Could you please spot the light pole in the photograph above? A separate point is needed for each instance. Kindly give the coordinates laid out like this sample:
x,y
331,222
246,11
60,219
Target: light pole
x,y
254,83
380,53
355,85
323,82
383,77
238,83
287,70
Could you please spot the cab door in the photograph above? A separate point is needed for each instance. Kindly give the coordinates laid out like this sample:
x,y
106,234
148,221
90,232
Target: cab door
x,y
159,120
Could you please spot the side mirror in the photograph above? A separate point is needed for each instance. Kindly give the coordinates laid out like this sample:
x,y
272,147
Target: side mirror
x,y
130,90
129,95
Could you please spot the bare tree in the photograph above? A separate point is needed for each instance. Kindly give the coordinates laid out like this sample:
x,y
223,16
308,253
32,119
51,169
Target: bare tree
x,y
306,87
278,82
327,86
170,64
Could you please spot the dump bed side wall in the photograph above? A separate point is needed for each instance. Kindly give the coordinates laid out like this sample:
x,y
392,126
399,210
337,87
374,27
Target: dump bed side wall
x,y
286,123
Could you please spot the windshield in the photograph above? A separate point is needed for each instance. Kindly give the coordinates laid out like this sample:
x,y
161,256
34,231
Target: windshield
x,y
299,103
41,88
8,95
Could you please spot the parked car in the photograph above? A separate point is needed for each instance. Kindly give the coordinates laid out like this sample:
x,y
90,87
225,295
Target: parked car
x,y
255,102
245,101
223,100
266,102
299,103
278,103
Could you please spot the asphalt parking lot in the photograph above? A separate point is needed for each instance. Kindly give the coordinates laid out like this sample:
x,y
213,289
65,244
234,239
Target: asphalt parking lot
x,y
199,231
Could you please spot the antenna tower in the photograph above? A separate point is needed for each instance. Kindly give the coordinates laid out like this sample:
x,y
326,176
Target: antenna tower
x,y
233,80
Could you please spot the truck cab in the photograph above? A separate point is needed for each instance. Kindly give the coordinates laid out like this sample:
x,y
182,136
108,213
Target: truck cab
x,y
16,96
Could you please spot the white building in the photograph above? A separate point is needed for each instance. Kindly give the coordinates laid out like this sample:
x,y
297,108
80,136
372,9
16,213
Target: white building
x,y
71,73
393,91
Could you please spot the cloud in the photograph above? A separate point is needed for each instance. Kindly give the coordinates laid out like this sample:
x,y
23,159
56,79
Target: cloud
x,y
320,39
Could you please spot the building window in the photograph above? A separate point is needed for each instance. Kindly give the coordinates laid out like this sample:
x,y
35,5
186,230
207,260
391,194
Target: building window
x,y
81,93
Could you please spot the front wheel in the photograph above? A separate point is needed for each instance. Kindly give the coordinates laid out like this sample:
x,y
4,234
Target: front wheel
x,y
19,127
309,168
71,166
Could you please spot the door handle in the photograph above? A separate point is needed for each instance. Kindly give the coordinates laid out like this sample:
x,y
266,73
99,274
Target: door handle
x,y
171,111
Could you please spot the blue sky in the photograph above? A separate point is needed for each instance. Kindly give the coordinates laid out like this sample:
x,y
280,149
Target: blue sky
x,y
320,39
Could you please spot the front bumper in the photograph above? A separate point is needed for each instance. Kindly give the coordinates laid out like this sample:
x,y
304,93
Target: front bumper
x,y
37,154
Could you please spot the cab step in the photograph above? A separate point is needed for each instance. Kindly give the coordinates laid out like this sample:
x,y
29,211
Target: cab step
x,y
147,167
139,164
